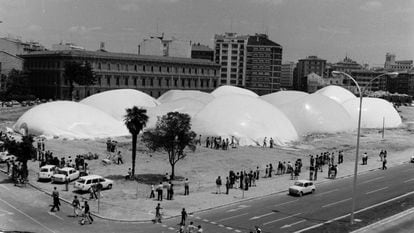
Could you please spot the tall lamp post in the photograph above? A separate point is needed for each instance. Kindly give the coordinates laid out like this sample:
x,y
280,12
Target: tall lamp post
x,y
336,73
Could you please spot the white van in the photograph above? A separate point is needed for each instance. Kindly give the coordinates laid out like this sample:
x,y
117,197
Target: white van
x,y
86,182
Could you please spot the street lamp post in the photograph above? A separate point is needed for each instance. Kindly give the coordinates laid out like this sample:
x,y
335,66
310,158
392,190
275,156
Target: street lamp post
x,y
335,73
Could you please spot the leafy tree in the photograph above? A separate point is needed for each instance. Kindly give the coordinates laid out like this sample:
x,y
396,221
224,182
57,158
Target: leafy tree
x,y
79,73
17,86
172,134
23,150
135,120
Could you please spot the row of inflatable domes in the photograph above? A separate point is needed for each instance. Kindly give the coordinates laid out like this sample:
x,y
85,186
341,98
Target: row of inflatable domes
x,y
227,111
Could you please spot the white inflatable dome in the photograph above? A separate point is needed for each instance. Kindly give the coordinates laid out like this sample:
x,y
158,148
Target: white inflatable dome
x,y
337,93
115,102
318,114
374,110
68,119
282,97
247,118
230,90
173,95
184,105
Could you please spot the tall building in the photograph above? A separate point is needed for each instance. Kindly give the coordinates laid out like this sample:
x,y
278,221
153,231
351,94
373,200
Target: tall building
x,y
249,61
286,77
311,64
153,75
199,51
230,54
392,65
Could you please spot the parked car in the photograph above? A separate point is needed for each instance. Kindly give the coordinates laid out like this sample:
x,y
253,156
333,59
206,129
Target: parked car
x,y
412,159
301,187
46,172
63,172
86,182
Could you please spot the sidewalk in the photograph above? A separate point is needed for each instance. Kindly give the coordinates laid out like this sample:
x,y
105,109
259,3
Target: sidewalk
x,y
141,209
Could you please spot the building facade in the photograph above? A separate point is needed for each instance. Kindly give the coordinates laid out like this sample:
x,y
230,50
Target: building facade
x,y
392,65
286,76
249,61
311,64
402,84
153,75
199,51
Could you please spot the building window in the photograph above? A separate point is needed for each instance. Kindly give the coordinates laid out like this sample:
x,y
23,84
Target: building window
x,y
159,69
168,69
152,69
126,80
175,82
159,82
201,83
117,80
118,66
167,82
126,67
135,68
143,68
182,82
135,81
215,83
99,66
109,66
108,80
98,79
143,82
152,82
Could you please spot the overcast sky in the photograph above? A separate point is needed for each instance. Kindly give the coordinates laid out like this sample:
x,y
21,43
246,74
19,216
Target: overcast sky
x,y
330,29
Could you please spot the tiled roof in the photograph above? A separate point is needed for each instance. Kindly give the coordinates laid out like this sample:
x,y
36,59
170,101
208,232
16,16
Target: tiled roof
x,y
121,56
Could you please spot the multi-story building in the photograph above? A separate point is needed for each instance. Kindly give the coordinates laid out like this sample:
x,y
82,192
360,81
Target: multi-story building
x,y
160,45
249,61
199,51
311,64
286,77
365,81
402,84
9,49
346,65
230,54
392,65
153,75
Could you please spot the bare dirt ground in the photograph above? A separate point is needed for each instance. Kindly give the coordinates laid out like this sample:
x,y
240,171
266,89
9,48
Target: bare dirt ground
x,y
129,199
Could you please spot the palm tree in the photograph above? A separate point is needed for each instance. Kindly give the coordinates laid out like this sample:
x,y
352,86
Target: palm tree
x,y
135,120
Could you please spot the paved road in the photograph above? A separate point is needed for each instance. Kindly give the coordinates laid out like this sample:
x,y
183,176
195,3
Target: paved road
x,y
284,213
26,209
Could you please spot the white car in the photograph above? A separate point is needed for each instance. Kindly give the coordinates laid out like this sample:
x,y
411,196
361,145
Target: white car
x,y
46,172
86,182
63,172
301,187
412,159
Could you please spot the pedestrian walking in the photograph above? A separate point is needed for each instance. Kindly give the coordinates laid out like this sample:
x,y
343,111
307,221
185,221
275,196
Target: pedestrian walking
x,y
76,206
257,173
191,228
87,212
56,201
159,192
158,213
311,170
199,229
384,163
183,217
218,185
227,185
120,161
186,187
152,194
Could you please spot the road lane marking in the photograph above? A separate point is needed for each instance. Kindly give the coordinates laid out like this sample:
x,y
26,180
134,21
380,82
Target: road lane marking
x,y
289,225
261,216
367,181
356,212
34,220
214,223
229,228
221,225
280,219
237,231
286,203
235,216
376,190
406,181
331,204
331,191
53,214
4,186
205,220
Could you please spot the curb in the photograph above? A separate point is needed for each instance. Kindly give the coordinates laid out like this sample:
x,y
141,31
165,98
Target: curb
x,y
209,208
384,221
